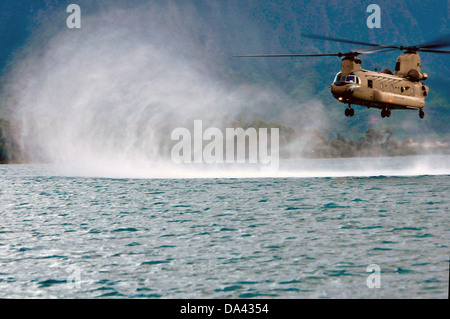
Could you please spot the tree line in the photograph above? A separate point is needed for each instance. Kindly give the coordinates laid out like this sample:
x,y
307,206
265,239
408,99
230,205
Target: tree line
x,y
310,144
320,143
9,149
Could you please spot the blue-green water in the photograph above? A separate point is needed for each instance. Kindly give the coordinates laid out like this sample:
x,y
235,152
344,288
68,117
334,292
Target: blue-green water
x,y
286,237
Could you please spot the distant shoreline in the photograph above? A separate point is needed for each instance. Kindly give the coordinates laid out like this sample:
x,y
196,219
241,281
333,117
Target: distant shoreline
x,y
282,159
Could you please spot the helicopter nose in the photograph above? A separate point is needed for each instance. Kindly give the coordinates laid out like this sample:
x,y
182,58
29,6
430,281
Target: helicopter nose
x,y
342,93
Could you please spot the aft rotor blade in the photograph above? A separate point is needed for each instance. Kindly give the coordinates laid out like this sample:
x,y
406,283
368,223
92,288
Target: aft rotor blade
x,y
441,42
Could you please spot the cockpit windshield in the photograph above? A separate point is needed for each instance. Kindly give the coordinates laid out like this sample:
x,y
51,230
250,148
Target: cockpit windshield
x,y
350,78
343,79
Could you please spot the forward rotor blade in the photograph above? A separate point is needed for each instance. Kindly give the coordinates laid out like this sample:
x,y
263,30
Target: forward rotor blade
x,y
285,55
353,53
321,37
370,51
434,51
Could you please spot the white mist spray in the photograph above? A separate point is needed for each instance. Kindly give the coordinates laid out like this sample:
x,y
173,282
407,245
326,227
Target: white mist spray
x,y
103,100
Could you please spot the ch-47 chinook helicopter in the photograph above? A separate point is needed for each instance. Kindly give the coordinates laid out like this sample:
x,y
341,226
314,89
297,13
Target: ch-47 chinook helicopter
x,y
386,90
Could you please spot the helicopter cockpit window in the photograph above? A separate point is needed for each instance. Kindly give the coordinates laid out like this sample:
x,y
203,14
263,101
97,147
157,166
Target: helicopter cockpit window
x,y
342,79
337,78
350,78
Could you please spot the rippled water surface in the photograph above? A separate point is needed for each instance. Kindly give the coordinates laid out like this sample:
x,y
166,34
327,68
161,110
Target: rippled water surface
x,y
286,237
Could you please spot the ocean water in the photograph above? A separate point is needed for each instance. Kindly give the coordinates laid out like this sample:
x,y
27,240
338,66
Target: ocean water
x,y
299,236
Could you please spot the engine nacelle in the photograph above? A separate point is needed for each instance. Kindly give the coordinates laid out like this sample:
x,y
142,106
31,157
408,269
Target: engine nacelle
x,y
416,76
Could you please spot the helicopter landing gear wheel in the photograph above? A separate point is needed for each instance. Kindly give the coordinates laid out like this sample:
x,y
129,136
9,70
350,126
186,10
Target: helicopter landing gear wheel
x,y
385,113
349,111
421,114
